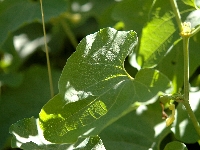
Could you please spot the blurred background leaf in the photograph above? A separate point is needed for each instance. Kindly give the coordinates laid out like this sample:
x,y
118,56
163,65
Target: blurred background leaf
x,y
25,100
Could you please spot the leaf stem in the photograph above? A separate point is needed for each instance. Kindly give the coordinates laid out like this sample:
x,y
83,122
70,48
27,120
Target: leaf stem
x,y
47,53
186,84
177,13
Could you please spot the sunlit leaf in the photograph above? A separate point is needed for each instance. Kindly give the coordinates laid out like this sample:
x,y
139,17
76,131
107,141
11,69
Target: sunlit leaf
x,y
95,90
158,35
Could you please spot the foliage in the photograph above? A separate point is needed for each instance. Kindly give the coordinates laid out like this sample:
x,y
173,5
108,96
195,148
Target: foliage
x,y
108,92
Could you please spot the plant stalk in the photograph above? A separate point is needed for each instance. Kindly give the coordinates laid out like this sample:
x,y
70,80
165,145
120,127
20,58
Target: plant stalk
x,y
47,53
186,84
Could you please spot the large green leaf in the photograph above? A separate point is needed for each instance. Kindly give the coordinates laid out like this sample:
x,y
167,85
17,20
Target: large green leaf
x,y
16,13
94,88
158,35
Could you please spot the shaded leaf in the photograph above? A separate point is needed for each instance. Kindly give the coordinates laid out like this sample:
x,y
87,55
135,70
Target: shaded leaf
x,y
134,13
139,130
11,79
94,88
26,12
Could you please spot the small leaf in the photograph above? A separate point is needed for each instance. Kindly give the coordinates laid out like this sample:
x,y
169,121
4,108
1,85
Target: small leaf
x,y
95,89
175,145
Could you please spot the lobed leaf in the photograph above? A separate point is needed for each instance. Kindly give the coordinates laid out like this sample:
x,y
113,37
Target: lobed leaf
x,y
95,89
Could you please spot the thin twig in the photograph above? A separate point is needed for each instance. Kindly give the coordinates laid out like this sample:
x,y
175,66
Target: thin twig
x,y
47,53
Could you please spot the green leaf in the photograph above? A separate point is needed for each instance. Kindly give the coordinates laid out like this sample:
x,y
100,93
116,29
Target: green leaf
x,y
139,130
14,14
175,145
157,36
94,88
11,79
